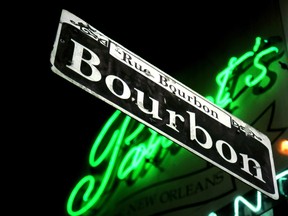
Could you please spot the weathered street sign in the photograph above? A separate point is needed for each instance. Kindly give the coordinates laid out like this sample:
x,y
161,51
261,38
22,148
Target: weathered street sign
x,y
99,65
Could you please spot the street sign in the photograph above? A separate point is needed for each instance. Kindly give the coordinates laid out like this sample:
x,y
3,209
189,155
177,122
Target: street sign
x,y
87,58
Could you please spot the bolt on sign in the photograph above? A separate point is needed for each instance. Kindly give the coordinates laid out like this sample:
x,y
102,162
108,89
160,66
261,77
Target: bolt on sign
x,y
87,58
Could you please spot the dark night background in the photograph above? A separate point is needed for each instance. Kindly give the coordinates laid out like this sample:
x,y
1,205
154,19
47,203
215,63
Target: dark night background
x,y
56,122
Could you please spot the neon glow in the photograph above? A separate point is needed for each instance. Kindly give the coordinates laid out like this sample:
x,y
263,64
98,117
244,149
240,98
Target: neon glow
x,y
133,148
144,145
254,208
258,206
283,177
225,77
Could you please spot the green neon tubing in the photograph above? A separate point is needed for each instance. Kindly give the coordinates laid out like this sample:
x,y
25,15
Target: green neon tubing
x,y
239,199
258,205
153,144
281,185
249,81
136,156
99,139
131,165
166,143
91,183
259,197
281,179
257,44
133,158
117,138
136,132
223,96
281,175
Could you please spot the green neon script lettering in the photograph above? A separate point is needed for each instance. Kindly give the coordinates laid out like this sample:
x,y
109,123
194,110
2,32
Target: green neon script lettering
x,y
88,198
225,77
133,150
257,63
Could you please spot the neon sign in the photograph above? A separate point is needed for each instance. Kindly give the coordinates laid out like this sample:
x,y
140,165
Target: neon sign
x,y
281,177
226,78
131,150
123,150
